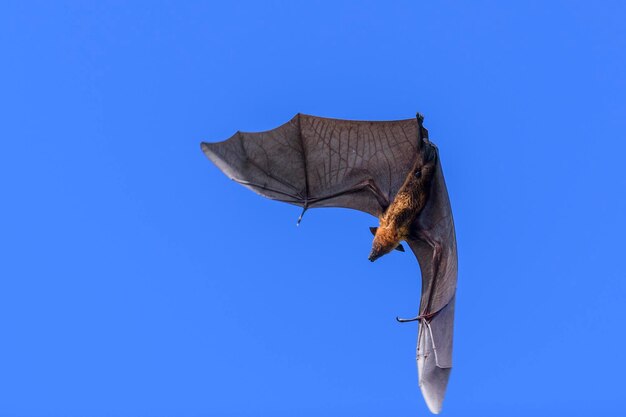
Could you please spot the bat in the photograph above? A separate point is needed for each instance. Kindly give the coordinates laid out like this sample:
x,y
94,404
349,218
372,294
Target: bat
x,y
389,169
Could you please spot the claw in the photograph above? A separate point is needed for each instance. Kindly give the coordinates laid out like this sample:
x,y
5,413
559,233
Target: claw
x,y
426,316
302,214
399,320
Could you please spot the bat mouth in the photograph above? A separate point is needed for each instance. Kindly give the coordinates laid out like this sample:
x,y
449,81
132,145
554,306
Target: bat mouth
x,y
373,257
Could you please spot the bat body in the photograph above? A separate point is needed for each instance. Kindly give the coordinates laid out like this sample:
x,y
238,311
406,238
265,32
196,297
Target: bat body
x,y
396,222
388,169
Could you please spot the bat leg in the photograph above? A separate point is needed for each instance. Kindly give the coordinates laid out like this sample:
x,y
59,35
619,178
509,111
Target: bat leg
x,y
425,237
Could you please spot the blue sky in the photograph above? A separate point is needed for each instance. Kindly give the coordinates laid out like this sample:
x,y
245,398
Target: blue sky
x,y
137,280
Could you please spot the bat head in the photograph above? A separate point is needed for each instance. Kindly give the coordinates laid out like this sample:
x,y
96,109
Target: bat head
x,y
385,240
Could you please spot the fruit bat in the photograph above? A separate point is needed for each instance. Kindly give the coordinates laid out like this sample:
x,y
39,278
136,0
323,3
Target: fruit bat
x,y
388,169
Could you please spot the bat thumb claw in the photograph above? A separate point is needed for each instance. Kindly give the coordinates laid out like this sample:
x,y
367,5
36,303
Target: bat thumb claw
x,y
301,214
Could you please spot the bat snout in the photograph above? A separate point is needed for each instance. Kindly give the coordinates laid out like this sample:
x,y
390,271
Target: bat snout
x,y
376,253
380,247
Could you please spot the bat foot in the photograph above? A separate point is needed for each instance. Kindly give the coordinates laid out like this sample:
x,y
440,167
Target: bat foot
x,y
421,317
399,320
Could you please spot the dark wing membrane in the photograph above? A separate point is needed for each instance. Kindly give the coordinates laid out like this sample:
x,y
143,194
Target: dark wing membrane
x,y
435,249
318,162
270,163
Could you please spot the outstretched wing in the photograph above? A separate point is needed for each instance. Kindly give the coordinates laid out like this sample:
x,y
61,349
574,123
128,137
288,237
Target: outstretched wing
x,y
434,246
318,162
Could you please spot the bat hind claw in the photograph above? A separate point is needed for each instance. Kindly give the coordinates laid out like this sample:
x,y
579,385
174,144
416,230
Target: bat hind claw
x,y
421,317
399,320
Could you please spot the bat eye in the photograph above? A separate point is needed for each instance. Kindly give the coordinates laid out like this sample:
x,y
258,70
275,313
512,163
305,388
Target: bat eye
x,y
418,173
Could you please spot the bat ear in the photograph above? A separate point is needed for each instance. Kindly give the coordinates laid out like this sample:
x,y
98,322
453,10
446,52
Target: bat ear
x,y
373,230
400,247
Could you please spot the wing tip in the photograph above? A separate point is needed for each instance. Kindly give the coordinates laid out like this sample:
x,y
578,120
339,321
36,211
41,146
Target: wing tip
x,y
434,386
210,151
434,406
207,151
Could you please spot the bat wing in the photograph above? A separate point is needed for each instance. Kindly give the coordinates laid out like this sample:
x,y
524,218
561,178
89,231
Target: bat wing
x,y
318,162
434,246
